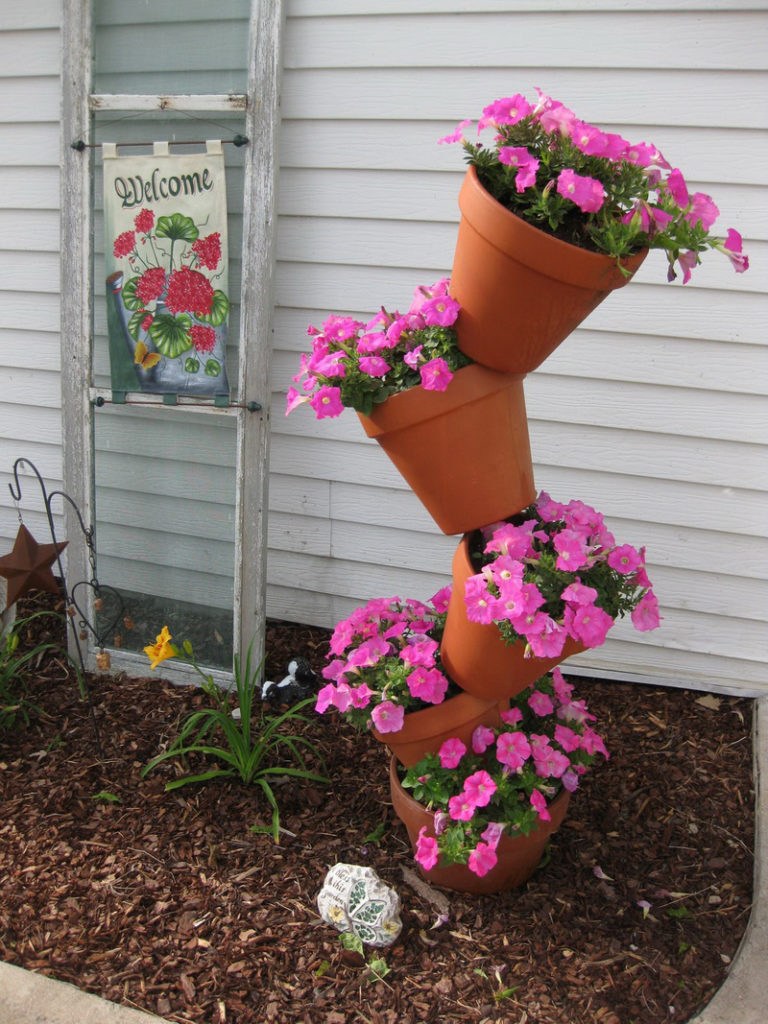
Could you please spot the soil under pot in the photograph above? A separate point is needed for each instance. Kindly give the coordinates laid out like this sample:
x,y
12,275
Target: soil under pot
x,y
477,657
522,291
424,731
464,451
519,856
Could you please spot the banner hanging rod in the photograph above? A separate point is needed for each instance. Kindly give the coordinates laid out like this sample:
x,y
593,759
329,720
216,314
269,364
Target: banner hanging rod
x,y
238,140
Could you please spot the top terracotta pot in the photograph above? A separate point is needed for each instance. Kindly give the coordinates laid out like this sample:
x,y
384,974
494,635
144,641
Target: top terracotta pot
x,y
521,290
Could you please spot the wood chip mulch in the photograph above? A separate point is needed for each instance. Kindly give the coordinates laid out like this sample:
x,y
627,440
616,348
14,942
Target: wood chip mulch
x,y
169,903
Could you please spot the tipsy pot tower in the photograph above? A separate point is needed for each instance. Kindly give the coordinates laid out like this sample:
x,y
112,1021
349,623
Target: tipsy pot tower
x,y
554,216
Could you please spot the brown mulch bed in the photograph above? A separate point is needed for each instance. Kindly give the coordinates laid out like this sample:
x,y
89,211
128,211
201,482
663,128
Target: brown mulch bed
x,y
168,902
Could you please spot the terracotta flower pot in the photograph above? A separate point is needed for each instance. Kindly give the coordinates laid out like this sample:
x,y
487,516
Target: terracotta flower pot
x,y
521,290
425,731
475,655
518,856
464,451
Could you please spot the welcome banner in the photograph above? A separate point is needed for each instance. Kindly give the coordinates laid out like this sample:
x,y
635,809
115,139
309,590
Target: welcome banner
x,y
165,219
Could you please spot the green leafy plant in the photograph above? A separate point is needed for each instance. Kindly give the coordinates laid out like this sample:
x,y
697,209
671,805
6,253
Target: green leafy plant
x,y
241,750
17,664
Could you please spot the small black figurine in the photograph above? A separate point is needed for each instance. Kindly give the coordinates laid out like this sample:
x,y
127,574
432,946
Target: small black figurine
x,y
300,683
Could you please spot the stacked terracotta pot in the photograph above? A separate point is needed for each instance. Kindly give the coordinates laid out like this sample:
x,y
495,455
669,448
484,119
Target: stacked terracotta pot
x,y
465,452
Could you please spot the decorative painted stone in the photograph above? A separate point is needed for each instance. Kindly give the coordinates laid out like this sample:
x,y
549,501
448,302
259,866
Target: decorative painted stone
x,y
354,899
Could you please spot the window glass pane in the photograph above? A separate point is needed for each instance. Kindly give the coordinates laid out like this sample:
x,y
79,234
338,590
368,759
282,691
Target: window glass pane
x,y
165,496
111,126
170,47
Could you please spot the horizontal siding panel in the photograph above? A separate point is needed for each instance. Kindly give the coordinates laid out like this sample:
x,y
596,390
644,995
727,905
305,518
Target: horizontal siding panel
x,y
656,409
667,545
672,456
34,188
29,231
29,53
29,271
311,8
385,244
40,14
26,100
707,155
23,425
686,505
356,582
153,548
604,96
307,497
678,362
157,477
200,440
19,348
25,144
116,12
47,459
472,39
665,666
433,197
34,388
166,516
165,582
301,534
659,310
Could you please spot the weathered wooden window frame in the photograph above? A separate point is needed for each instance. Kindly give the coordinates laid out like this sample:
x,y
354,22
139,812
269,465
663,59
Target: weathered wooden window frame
x,y
260,105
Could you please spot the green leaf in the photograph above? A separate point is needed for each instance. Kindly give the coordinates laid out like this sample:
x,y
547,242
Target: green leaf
x,y
323,968
378,833
134,324
214,773
378,968
177,227
191,365
171,334
212,368
351,941
130,299
106,797
219,310
679,913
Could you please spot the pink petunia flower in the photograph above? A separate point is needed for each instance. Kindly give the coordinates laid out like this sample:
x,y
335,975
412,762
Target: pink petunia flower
x,y
512,750
540,703
451,752
645,615
482,859
326,402
482,738
571,550
427,853
625,559
427,684
588,623
374,366
435,375
479,788
388,717
492,833
587,193
539,804
457,135
461,807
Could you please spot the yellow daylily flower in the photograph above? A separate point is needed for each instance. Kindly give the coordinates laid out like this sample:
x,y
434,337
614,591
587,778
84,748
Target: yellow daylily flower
x,y
161,649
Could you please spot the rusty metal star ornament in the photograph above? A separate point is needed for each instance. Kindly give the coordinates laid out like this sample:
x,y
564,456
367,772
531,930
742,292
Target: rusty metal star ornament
x,y
28,566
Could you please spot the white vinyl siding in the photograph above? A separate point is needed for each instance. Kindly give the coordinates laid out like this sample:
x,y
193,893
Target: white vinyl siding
x,y
30,403
654,411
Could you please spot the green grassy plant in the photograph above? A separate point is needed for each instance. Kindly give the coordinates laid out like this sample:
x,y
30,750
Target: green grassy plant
x,y
244,746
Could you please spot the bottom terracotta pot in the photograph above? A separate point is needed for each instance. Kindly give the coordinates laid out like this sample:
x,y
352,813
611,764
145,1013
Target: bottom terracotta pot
x,y
519,856
466,645
424,731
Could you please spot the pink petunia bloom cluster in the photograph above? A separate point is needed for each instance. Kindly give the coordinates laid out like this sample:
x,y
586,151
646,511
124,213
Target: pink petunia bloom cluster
x,y
384,660
545,161
505,780
556,572
356,365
